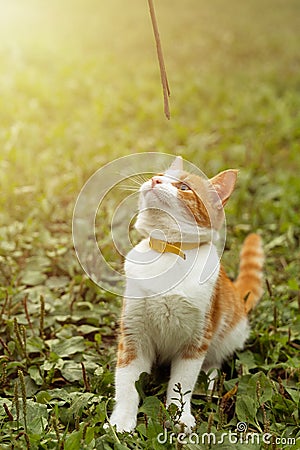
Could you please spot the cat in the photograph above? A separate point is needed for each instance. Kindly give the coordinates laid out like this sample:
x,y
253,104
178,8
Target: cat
x,y
179,305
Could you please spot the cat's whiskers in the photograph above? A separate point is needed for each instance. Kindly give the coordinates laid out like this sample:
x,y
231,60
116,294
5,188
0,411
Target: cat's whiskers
x,y
138,176
139,184
129,188
137,180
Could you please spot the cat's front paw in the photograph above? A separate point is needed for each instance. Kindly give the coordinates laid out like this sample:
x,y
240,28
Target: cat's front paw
x,y
123,422
189,422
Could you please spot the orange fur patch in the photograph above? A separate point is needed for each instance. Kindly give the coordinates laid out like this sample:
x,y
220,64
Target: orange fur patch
x,y
124,359
230,301
197,199
225,301
193,350
126,352
249,281
126,348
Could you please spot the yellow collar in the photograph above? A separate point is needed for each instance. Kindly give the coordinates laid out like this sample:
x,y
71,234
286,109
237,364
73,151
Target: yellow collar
x,y
172,247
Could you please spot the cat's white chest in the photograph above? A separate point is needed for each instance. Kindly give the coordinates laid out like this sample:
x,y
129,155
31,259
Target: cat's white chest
x,y
149,273
168,297
171,322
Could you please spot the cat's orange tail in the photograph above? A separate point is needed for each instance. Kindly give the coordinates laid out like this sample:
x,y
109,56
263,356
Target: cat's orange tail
x,y
249,280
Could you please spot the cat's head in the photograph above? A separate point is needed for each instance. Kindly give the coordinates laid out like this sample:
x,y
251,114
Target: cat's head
x,y
183,205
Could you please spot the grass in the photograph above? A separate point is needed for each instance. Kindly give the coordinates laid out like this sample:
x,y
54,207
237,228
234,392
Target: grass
x,y
79,86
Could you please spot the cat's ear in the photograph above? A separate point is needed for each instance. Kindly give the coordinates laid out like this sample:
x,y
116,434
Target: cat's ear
x,y
177,164
223,184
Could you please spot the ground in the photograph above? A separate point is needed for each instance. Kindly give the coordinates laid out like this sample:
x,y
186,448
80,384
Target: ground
x,y
79,87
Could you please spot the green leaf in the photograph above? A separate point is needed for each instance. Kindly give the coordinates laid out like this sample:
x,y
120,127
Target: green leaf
x,y
35,344
57,282
73,442
266,390
35,374
140,383
142,429
80,401
154,429
43,397
67,347
71,371
37,425
37,263
151,407
247,359
89,435
33,278
31,386
88,329
293,284
294,393
278,241
118,446
245,408
37,416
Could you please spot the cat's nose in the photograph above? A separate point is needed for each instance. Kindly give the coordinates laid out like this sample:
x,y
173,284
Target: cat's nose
x,y
155,181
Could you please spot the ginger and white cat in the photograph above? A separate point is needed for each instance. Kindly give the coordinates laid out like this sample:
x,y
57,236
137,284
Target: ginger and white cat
x,y
179,305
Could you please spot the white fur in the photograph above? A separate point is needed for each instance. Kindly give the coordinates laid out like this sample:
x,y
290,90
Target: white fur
x,y
167,299
186,373
127,399
221,347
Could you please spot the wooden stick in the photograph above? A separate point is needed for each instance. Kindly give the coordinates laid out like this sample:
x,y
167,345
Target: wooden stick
x,y
163,73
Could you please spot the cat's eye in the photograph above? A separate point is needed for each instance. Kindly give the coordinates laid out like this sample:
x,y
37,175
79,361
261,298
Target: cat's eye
x,y
184,187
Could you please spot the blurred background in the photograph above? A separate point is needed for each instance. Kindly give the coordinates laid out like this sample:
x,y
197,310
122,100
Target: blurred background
x,y
80,86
